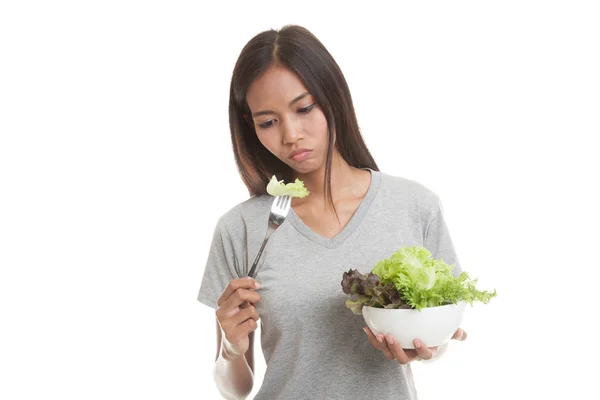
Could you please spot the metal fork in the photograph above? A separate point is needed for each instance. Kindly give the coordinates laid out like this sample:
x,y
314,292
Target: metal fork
x,y
279,211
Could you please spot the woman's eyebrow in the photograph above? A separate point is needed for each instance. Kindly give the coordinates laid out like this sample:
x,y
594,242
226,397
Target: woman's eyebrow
x,y
296,99
300,97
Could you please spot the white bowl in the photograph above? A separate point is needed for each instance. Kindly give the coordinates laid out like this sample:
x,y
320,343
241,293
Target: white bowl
x,y
434,326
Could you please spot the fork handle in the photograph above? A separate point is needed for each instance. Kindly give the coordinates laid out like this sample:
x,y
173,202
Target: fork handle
x,y
253,271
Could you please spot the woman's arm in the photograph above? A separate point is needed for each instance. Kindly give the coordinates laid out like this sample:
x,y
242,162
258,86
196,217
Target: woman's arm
x,y
234,375
236,322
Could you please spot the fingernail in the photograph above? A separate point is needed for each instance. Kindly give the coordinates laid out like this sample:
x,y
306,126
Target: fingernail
x,y
380,338
365,329
256,285
390,339
417,344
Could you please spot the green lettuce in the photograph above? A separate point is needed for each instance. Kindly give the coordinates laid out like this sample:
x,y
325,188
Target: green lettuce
x,y
278,188
419,280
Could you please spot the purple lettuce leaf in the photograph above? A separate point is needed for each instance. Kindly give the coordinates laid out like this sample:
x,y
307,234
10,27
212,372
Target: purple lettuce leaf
x,y
367,290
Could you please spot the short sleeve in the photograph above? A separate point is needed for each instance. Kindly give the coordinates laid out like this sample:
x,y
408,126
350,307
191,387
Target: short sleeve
x,y
221,267
438,240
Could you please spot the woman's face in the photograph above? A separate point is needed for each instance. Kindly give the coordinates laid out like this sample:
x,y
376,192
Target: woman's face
x,y
287,120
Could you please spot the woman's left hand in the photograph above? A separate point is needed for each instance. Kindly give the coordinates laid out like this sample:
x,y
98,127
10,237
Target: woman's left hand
x,y
393,351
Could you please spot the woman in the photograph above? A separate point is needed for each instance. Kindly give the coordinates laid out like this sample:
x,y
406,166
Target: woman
x,y
291,115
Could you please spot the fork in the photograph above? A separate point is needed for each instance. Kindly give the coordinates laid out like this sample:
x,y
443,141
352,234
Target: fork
x,y
279,211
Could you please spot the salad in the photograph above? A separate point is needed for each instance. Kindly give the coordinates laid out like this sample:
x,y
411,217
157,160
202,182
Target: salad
x,y
278,188
410,279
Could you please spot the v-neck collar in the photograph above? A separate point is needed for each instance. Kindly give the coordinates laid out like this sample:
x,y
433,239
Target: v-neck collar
x,y
352,224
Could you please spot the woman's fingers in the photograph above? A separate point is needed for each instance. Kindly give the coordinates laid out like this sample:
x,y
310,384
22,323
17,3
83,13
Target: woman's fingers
x,y
394,351
235,301
240,317
385,347
234,285
379,343
237,314
372,338
424,352
242,330
460,334
403,356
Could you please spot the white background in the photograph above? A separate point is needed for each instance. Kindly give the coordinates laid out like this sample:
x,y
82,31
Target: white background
x,y
115,163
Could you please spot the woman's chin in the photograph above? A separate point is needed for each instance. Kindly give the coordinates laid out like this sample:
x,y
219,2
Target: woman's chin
x,y
304,168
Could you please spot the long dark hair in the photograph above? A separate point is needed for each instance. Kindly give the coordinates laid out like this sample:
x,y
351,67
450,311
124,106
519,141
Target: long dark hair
x,y
297,49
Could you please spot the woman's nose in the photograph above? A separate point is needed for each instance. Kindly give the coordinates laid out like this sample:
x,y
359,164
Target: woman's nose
x,y
292,131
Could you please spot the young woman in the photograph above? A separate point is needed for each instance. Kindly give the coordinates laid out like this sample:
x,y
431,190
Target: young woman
x,y
291,115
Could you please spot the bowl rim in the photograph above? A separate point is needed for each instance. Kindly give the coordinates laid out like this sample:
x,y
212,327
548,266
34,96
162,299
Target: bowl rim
x,y
460,303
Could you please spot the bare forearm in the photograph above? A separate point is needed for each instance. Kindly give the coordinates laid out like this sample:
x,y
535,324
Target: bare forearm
x,y
236,320
233,377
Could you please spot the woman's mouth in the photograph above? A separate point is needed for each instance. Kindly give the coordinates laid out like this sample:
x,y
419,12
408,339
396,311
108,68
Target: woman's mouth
x,y
300,155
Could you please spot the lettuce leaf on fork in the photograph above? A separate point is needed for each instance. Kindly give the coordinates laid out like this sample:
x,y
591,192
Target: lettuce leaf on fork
x,y
278,188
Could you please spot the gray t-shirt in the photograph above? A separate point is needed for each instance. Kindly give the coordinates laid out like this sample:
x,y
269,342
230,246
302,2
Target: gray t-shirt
x,y
314,347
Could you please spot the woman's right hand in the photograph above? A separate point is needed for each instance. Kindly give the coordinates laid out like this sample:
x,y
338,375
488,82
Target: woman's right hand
x,y
237,316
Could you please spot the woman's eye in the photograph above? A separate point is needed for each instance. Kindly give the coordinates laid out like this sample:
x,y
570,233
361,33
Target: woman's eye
x,y
306,109
266,125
